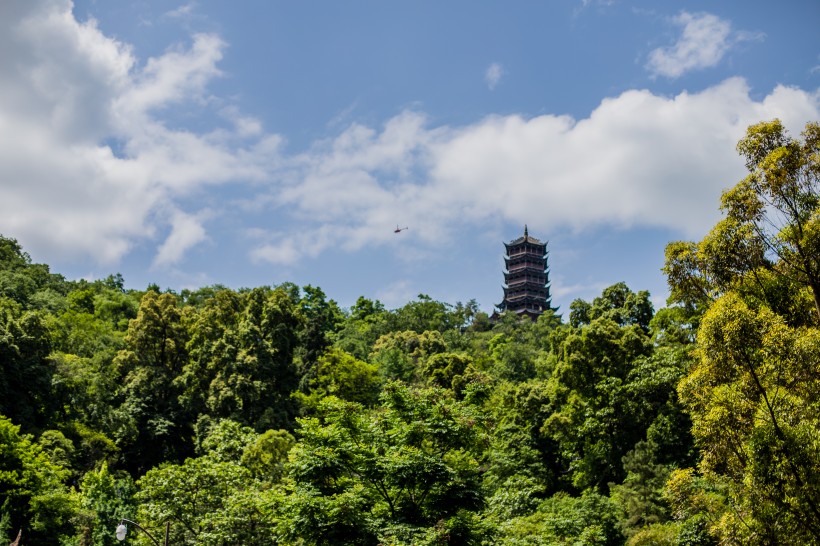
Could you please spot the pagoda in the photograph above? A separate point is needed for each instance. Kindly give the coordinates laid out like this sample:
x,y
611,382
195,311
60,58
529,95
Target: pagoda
x,y
526,279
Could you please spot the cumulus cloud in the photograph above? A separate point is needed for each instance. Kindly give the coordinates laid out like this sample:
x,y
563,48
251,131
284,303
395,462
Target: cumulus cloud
x,y
87,164
90,168
704,41
177,75
186,232
639,159
493,75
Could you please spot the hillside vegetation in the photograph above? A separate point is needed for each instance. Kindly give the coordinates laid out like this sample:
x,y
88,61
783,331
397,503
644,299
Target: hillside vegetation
x,y
270,415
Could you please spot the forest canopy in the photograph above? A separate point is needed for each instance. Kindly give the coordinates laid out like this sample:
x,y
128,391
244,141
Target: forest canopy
x,y
271,415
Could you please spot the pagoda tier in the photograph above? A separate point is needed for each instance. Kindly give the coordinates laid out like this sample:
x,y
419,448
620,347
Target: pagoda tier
x,y
526,278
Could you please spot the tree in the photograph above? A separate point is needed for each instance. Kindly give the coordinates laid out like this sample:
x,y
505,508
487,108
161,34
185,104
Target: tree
x,y
617,303
113,304
255,387
154,355
640,496
241,364
32,494
396,471
752,392
31,285
344,376
322,317
267,455
593,418
215,499
401,354
511,358
191,496
365,323
562,520
770,237
25,370
214,347
426,314
105,498
753,397
449,370
780,199
523,463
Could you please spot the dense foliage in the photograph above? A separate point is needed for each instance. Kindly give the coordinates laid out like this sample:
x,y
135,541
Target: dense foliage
x,y
272,416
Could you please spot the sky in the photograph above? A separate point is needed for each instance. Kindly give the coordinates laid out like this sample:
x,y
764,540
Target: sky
x,y
259,142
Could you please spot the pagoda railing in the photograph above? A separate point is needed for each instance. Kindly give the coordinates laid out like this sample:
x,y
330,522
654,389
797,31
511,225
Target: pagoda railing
x,y
516,296
518,277
531,252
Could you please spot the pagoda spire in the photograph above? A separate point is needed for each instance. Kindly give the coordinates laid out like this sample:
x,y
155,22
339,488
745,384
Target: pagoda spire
x,y
525,231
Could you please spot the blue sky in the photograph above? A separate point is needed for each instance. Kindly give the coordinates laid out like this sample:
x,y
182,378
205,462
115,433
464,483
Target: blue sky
x,y
258,142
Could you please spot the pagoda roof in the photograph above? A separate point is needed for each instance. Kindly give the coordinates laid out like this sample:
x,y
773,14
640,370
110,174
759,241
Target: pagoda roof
x,y
525,239
526,258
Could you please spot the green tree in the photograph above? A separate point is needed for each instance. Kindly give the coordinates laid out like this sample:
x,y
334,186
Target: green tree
x,y
322,318
753,397
365,323
344,376
83,334
25,370
255,387
192,496
105,498
216,498
241,364
402,354
752,287
267,456
31,285
154,355
32,494
397,471
113,304
640,496
449,370
617,303
213,348
768,244
780,199
562,520
84,393
591,419
426,314
511,358
523,462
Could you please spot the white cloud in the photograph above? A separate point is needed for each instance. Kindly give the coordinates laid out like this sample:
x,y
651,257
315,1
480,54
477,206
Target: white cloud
x,y
175,76
88,167
185,10
703,42
639,159
282,251
186,232
493,75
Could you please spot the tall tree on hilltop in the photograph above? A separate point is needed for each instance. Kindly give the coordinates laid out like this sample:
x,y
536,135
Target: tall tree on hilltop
x,y
25,370
154,355
753,390
770,237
